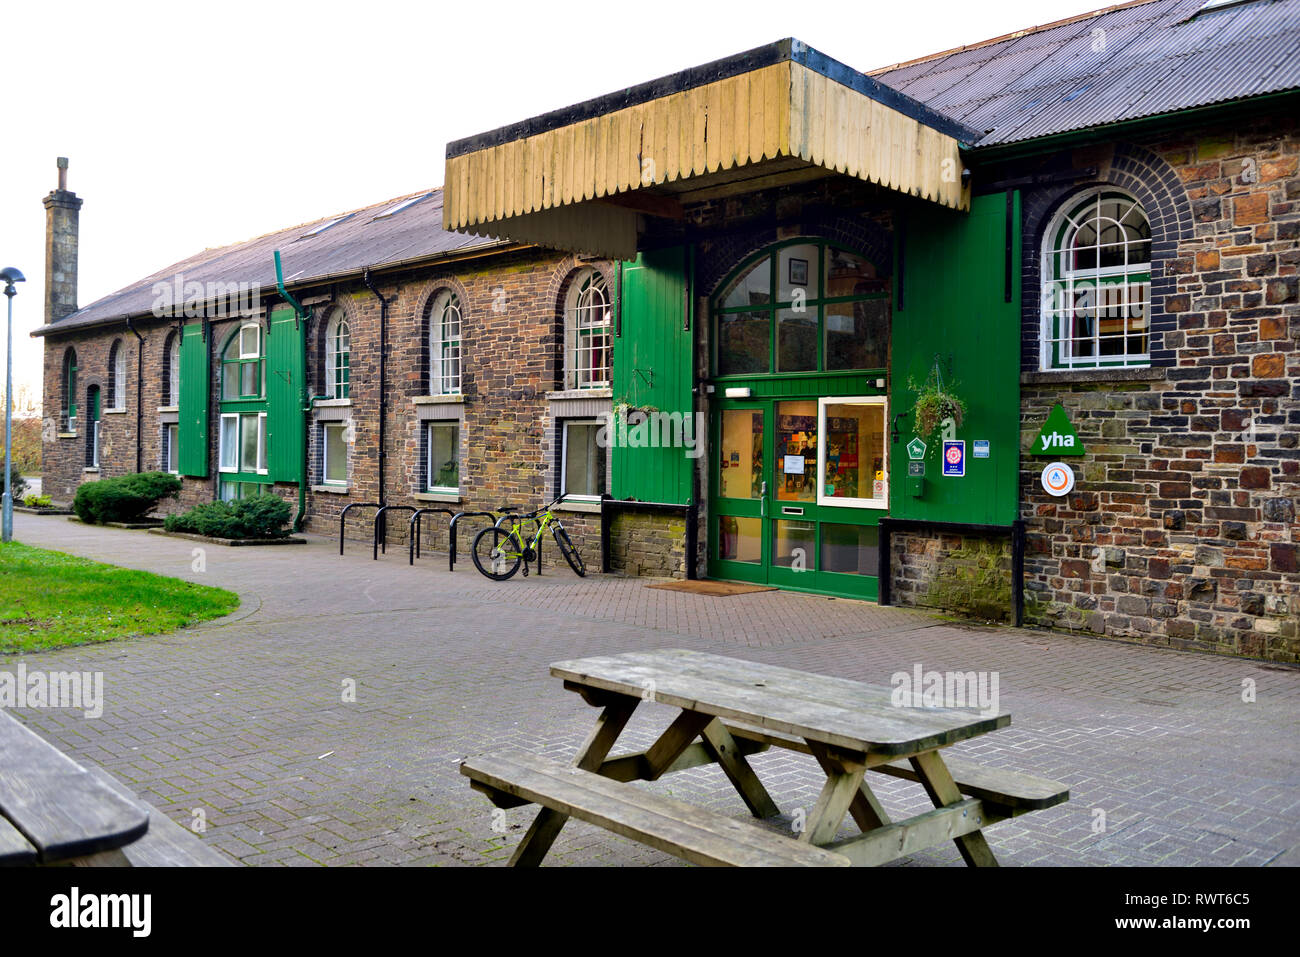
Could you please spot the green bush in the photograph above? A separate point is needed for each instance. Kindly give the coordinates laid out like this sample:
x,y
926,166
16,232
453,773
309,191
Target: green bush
x,y
38,501
261,516
127,498
17,484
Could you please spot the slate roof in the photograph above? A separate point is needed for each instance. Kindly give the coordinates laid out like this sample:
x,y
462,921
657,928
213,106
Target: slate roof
x,y
1158,56
356,242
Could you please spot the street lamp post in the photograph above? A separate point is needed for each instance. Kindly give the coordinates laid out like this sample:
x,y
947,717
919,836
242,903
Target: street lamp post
x,y
10,275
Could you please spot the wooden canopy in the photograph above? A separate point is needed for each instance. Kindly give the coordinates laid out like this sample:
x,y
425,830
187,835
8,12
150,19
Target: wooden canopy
x,y
579,178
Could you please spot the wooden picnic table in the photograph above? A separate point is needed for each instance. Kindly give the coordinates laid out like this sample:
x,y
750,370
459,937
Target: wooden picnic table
x,y
729,709
55,811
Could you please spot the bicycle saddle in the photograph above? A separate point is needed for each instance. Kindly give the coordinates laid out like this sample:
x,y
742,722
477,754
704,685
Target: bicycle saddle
x,y
508,508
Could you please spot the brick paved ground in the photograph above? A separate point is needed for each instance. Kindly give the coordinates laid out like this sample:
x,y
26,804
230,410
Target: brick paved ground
x,y
243,718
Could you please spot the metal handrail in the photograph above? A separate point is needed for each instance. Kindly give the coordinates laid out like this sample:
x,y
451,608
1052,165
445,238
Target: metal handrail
x,y
413,534
343,516
381,527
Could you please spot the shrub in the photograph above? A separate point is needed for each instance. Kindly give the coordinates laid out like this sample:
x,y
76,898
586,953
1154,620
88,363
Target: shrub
x,y
17,484
127,498
38,501
261,516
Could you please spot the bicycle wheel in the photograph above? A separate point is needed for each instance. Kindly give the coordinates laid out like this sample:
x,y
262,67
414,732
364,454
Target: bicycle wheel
x,y
570,553
496,553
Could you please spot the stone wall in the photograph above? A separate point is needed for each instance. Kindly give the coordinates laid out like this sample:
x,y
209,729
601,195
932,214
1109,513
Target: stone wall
x,y
1182,527
648,543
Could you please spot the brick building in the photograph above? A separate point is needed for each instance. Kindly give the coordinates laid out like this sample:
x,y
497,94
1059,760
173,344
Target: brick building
x,y
705,309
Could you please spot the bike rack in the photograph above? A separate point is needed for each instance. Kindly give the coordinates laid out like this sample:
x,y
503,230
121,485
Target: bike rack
x,y
381,527
344,515
413,534
451,534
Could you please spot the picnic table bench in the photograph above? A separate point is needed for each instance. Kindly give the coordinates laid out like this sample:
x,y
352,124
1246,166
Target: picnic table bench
x,y
730,709
55,811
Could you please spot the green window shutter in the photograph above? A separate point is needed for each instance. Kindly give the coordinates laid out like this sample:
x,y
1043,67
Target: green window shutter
x,y
285,395
954,304
193,418
652,368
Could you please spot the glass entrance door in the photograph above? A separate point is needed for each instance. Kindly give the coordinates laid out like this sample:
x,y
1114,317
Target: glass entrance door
x,y
798,489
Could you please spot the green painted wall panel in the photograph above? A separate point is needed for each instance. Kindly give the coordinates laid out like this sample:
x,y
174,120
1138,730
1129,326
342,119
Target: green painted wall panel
x,y
954,305
652,367
285,395
192,433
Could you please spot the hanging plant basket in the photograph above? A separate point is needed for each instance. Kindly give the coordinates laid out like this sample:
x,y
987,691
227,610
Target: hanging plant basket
x,y
934,403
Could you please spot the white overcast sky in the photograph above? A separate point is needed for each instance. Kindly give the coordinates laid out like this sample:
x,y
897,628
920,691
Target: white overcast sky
x,y
197,125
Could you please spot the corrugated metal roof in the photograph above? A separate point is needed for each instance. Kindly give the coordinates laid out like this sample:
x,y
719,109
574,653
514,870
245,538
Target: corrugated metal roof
x,y
1159,56
357,242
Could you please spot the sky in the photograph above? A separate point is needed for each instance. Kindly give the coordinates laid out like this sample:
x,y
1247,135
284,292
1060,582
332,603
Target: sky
x,y
190,126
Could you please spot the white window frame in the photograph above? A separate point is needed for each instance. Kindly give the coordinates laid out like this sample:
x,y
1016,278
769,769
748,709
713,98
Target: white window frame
x,y
173,397
1059,290
429,471
237,445
581,315
262,465
171,447
325,453
119,376
333,386
845,501
257,344
442,381
564,460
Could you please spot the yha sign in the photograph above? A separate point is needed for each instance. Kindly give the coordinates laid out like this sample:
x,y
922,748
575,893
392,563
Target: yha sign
x,y
1057,436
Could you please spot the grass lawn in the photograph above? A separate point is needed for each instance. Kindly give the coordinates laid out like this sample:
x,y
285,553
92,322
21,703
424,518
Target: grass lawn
x,y
52,600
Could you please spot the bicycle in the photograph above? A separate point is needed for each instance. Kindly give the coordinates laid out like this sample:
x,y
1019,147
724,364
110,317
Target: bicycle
x,y
497,551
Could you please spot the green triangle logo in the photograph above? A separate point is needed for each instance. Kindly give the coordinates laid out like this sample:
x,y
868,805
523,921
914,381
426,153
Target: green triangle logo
x,y
1058,436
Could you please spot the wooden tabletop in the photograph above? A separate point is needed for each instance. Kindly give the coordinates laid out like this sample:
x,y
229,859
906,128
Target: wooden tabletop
x,y
834,711
55,805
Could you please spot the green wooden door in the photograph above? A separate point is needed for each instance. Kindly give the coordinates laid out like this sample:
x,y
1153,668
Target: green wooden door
x,y
285,395
192,433
652,370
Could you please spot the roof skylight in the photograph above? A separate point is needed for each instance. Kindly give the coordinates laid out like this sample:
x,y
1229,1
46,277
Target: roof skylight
x,y
393,210
321,227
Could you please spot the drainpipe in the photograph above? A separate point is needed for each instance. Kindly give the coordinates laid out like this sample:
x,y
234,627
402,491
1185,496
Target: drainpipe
x,y
301,314
139,394
383,377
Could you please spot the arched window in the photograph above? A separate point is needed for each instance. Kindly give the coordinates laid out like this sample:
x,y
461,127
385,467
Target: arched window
x,y
587,326
444,316
338,357
116,376
92,435
69,411
802,306
171,370
242,364
1097,284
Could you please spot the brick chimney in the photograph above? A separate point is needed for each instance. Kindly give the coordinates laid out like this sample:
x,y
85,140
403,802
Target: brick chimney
x,y
62,217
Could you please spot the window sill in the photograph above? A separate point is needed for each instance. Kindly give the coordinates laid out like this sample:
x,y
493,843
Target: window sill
x,y
605,393
591,508
453,398
1143,374
332,489
115,411
67,435
453,497
331,403
92,469
169,408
